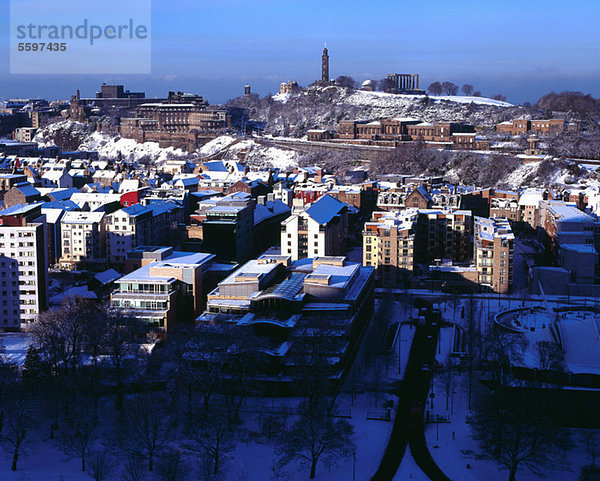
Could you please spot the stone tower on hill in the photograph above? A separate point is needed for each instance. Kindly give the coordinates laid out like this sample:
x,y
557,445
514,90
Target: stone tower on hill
x,y
325,66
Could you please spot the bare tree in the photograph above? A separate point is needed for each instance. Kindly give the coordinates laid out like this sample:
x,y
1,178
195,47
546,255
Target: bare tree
x,y
278,471
78,435
317,436
346,81
477,93
550,356
386,85
467,89
15,429
501,350
435,88
592,444
500,97
450,88
144,432
119,342
133,469
101,465
589,473
212,437
60,334
516,427
171,466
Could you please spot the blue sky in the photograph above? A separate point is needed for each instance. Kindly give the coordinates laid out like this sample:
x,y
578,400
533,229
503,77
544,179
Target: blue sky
x,y
522,49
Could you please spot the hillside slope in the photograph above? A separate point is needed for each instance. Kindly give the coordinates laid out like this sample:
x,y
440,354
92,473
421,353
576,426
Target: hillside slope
x,y
293,114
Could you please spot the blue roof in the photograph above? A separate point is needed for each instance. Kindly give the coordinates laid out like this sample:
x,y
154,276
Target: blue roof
x,y
19,209
61,204
63,194
215,166
325,209
27,189
136,209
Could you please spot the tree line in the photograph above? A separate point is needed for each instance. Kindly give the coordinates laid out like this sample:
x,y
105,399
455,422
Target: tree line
x,y
89,388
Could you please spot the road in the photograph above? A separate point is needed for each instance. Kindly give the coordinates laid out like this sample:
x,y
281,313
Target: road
x,y
409,425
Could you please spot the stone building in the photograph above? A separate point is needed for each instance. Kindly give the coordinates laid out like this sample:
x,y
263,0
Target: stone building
x,y
538,127
402,82
288,87
183,121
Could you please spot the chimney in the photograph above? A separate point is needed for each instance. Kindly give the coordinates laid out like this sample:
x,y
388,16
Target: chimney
x,y
261,200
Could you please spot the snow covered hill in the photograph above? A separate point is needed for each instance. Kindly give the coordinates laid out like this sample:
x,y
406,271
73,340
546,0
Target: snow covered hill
x,y
255,154
77,136
293,114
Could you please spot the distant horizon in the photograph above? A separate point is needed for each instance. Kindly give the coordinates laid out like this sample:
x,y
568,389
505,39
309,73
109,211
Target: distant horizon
x,y
224,90
520,50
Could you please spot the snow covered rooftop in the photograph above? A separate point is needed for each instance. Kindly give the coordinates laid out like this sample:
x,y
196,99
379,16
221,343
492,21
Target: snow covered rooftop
x,y
107,276
569,213
73,217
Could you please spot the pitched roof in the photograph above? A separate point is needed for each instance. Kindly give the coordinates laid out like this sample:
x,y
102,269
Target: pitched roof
x,y
325,209
27,189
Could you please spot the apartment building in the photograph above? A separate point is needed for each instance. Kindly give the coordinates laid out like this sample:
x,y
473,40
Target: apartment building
x,y
23,266
529,206
389,245
83,239
126,229
507,208
574,239
227,226
444,234
396,242
493,254
320,230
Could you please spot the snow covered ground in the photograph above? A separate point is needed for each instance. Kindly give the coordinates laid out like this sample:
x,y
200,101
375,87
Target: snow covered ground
x,y
216,145
42,460
109,146
383,99
256,154
15,345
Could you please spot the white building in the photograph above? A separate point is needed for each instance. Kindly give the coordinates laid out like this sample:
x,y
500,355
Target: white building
x,y
57,179
126,229
97,201
320,230
23,265
83,237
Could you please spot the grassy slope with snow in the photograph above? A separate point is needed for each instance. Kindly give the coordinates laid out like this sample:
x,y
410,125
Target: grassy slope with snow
x,y
382,99
257,155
